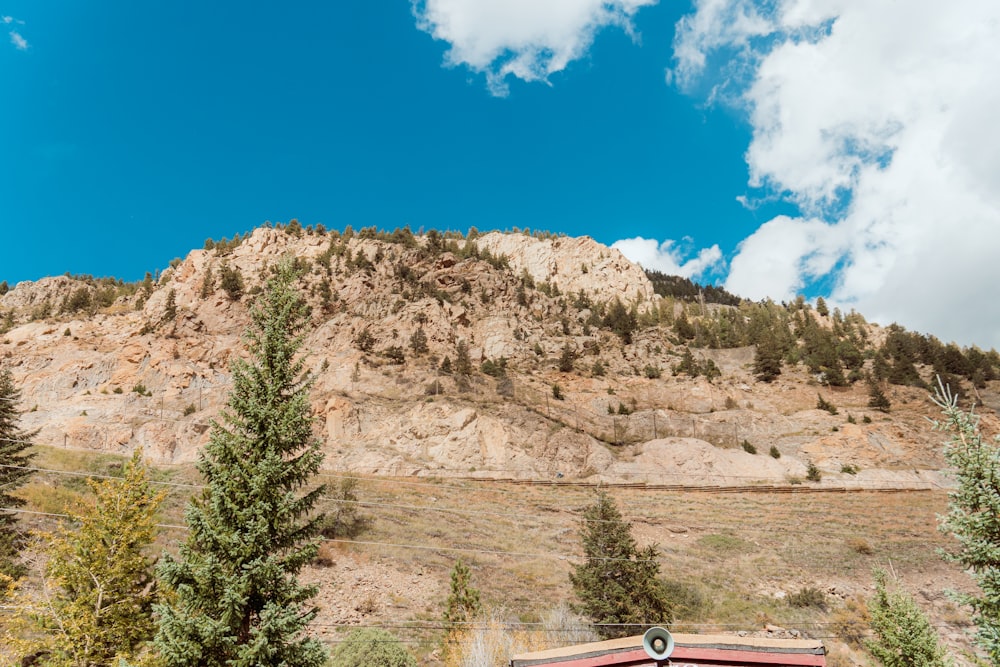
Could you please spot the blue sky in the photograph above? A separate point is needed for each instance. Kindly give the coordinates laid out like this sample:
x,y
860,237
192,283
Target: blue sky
x,y
720,132
136,130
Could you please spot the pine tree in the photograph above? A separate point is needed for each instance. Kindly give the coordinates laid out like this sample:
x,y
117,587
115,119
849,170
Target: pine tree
x,y
618,585
463,602
903,637
973,516
14,457
767,360
877,398
101,608
566,358
236,599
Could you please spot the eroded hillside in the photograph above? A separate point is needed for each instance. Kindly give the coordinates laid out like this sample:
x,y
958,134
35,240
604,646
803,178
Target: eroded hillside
x,y
500,355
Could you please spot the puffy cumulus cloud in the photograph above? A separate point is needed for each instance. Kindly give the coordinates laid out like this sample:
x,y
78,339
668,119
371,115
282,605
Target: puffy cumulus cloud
x,y
778,258
668,258
527,39
878,120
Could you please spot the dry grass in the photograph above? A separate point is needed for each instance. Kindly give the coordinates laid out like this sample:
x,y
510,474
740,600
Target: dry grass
x,y
733,556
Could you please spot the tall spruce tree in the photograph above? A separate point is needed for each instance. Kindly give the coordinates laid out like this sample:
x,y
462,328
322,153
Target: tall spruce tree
x,y
236,597
973,516
14,457
618,584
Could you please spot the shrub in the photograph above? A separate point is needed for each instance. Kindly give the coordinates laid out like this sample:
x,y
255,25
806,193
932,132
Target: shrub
x,y
861,546
866,419
775,452
373,647
849,469
808,597
231,281
566,359
394,354
652,372
557,392
345,519
141,390
748,448
850,622
688,601
189,410
365,341
731,403
597,370
497,369
812,473
823,404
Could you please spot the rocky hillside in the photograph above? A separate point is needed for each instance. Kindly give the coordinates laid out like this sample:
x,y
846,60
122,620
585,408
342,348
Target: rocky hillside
x,y
498,355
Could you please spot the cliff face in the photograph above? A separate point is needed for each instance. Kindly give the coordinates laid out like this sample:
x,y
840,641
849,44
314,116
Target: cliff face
x,y
148,368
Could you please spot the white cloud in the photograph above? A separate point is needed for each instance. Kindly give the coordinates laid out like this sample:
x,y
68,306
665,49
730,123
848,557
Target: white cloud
x,y
878,119
527,39
668,258
19,42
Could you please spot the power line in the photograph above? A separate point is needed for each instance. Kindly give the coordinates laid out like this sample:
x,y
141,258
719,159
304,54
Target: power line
x,y
18,510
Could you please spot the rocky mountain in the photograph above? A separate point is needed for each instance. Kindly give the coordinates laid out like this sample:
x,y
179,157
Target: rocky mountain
x,y
501,355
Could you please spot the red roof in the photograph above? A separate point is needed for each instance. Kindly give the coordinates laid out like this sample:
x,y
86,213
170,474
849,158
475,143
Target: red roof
x,y
707,650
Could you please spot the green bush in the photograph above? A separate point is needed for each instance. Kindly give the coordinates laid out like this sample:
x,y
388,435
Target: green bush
x,y
808,597
823,404
372,647
812,473
748,448
775,452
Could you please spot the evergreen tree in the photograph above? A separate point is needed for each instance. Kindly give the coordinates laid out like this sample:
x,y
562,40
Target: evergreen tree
x,y
877,398
463,363
903,637
170,310
767,360
973,516
618,585
14,456
207,283
231,281
566,358
101,610
463,602
235,597
418,342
